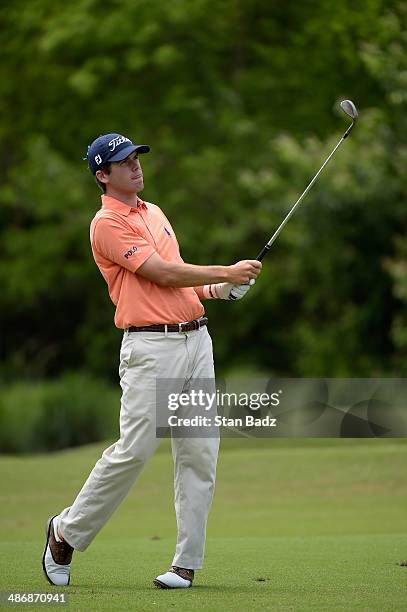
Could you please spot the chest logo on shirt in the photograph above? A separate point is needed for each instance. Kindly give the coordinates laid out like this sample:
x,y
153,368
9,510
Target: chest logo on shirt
x,y
168,232
130,252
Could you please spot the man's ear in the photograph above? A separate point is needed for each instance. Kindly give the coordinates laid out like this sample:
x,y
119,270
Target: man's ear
x,y
101,176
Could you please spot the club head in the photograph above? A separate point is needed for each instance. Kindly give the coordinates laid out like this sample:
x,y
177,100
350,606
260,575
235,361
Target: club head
x,y
350,109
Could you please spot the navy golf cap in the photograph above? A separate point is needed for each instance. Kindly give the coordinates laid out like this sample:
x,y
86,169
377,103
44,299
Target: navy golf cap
x,y
111,148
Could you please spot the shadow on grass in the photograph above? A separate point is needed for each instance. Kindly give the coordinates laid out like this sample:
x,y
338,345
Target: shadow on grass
x,y
221,588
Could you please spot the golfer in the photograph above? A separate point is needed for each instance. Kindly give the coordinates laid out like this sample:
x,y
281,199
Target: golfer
x,y
158,305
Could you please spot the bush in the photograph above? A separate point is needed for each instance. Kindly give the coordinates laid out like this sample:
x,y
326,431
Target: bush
x,y
49,415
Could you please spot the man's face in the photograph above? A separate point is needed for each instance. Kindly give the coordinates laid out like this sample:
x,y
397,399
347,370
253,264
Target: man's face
x,y
125,176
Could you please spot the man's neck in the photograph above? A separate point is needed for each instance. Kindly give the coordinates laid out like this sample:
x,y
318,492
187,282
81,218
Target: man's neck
x,y
131,199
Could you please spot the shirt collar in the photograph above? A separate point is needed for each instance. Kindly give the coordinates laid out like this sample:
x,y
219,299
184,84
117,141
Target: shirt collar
x,y
124,209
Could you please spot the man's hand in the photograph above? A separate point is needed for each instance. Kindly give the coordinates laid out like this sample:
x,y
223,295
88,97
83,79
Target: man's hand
x,y
227,291
240,275
244,271
239,291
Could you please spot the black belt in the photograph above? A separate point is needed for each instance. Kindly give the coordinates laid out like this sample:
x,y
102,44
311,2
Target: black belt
x,y
172,327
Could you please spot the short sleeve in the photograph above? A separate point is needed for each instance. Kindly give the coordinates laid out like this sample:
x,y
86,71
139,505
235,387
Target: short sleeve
x,y
120,244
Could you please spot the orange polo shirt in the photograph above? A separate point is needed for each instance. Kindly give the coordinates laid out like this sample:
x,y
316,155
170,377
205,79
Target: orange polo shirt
x,y
122,239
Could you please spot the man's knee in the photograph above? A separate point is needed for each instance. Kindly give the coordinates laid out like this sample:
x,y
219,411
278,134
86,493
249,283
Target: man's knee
x,y
129,453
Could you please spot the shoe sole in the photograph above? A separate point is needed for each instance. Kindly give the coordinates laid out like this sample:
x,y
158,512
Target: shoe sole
x,y
162,585
47,534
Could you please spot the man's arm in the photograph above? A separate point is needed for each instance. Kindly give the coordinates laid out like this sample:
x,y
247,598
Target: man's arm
x,y
180,274
223,291
200,292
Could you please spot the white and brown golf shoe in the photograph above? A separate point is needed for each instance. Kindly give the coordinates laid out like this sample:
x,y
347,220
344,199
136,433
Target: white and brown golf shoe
x,y
57,558
175,578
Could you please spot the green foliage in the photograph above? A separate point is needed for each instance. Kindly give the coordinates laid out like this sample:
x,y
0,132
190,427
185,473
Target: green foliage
x,y
236,100
70,411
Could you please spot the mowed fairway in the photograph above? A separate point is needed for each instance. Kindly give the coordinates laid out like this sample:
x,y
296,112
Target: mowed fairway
x,y
295,525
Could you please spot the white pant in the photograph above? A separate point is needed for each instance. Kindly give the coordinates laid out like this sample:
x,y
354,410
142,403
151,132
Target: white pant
x,y
144,357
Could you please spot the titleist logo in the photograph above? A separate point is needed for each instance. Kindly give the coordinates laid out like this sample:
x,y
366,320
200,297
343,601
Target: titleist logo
x,y
117,141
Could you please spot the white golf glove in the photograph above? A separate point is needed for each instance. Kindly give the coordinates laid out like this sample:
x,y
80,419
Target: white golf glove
x,y
227,291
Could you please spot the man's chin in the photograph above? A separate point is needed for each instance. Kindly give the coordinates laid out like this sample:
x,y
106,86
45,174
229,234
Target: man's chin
x,y
138,186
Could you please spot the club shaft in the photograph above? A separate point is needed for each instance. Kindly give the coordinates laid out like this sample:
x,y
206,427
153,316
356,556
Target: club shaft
x,y
267,246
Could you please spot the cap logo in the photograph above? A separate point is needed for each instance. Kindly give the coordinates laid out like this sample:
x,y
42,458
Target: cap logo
x,y
98,159
117,141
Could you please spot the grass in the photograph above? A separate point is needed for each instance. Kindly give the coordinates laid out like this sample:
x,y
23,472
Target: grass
x,y
295,525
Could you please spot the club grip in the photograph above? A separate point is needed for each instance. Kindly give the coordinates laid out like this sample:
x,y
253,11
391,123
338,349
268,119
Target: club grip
x,y
263,252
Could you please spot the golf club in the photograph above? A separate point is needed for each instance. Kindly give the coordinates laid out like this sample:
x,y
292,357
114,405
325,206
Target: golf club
x,y
350,109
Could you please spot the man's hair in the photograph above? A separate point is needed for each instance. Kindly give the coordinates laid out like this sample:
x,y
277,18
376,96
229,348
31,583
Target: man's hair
x,y
106,169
